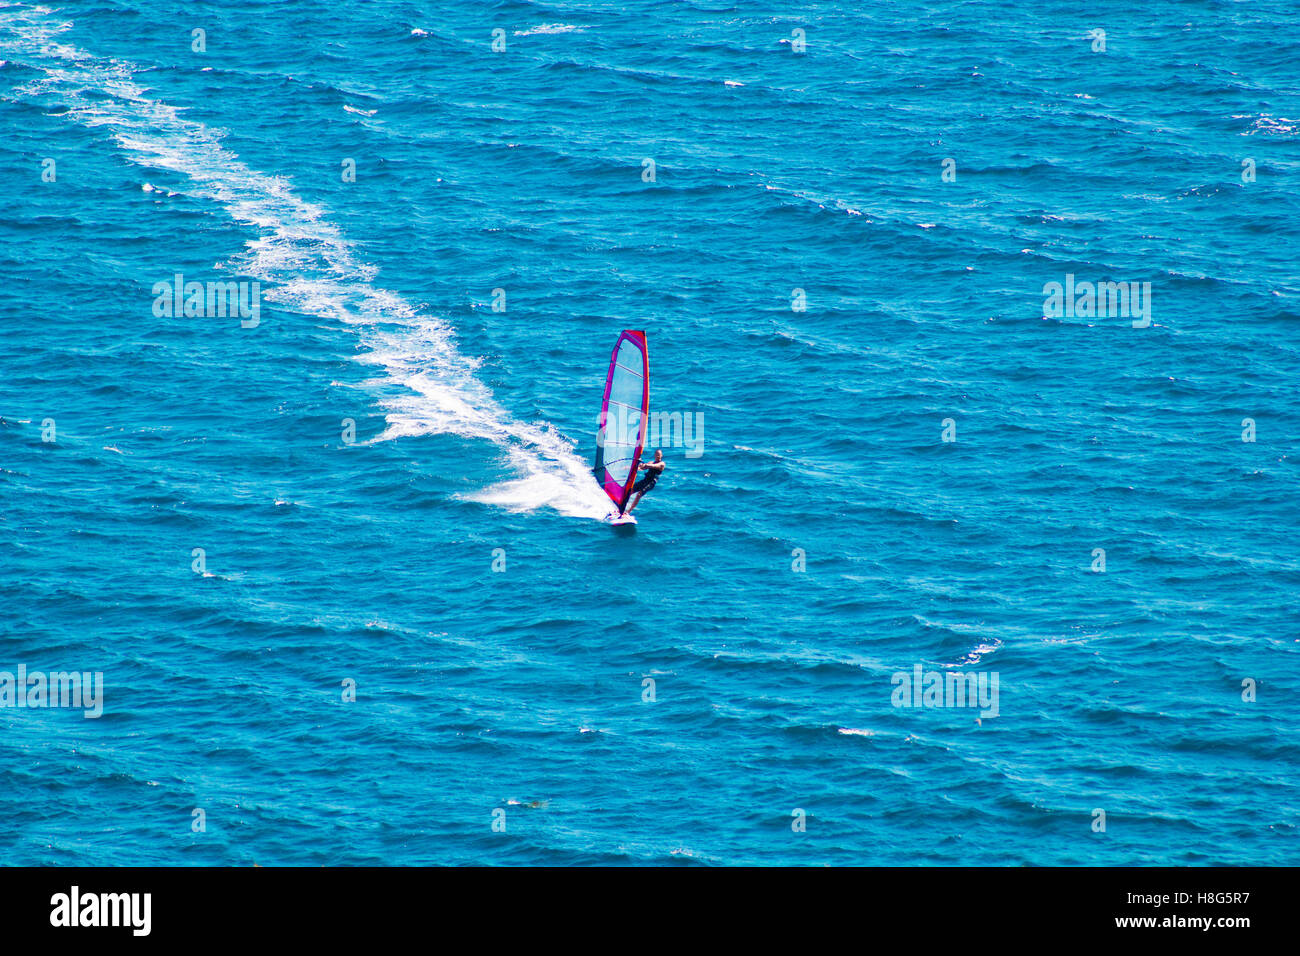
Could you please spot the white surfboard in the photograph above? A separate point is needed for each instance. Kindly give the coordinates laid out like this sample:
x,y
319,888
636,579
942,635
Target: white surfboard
x,y
614,519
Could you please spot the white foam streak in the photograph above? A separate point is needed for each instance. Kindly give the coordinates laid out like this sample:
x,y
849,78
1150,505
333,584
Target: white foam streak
x,y
306,265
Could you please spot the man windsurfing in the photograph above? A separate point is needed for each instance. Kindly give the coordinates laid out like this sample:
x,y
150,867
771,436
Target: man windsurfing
x,y
654,469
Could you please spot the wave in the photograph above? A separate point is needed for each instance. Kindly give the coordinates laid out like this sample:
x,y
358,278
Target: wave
x,y
549,28
308,267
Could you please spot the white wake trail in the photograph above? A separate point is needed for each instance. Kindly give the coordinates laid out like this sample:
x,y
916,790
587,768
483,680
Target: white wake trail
x,y
308,267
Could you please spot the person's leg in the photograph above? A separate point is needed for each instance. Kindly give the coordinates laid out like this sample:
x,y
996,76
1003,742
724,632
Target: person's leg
x,y
639,489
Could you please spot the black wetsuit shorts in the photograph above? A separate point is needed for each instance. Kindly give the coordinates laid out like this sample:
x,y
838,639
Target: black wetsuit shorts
x,y
651,476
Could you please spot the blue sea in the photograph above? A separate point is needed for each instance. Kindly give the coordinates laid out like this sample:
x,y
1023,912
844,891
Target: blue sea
x,y
339,561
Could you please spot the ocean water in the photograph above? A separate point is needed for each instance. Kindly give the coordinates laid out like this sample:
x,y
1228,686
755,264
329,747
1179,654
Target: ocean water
x,y
187,511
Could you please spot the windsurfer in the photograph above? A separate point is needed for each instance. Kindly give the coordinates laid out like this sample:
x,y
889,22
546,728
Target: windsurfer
x,y
654,469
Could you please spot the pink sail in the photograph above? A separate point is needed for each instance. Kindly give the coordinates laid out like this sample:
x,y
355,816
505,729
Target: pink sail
x,y
623,414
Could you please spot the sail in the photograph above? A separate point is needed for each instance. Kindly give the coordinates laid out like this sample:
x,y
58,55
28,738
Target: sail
x,y
623,414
